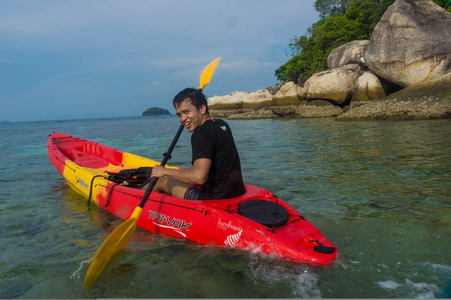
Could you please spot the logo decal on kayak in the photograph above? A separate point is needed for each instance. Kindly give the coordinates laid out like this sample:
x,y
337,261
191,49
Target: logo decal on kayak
x,y
82,183
233,239
225,226
176,224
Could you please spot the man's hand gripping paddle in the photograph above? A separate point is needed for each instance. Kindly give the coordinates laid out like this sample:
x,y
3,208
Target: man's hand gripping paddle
x,y
118,239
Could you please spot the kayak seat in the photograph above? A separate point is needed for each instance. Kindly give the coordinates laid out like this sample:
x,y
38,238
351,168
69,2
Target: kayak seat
x,y
114,157
87,160
267,213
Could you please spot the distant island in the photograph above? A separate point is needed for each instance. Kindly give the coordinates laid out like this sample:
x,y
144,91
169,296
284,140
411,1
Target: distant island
x,y
156,111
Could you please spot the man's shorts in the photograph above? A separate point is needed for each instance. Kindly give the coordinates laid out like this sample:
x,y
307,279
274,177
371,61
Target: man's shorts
x,y
192,193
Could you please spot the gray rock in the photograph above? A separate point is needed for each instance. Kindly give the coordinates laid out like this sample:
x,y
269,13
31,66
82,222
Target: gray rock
x,y
257,100
335,85
350,53
232,101
411,43
368,87
289,94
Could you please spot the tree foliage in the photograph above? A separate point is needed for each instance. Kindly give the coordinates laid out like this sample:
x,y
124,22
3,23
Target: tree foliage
x,y
446,4
328,8
341,21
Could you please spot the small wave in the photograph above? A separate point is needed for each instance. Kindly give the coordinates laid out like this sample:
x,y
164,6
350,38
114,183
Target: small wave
x,y
302,281
423,290
389,284
77,274
445,268
418,290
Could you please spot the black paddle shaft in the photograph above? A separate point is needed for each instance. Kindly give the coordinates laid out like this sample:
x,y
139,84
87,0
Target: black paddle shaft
x,y
167,156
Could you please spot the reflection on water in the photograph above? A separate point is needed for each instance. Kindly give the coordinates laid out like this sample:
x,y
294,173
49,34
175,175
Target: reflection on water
x,y
378,190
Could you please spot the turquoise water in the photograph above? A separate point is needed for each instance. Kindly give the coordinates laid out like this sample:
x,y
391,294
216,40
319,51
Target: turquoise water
x,y
380,191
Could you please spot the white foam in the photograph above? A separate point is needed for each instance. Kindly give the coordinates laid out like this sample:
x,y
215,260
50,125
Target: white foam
x,y
306,286
420,290
389,284
424,290
303,282
77,274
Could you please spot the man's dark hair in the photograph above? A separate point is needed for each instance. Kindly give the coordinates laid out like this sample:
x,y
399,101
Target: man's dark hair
x,y
196,97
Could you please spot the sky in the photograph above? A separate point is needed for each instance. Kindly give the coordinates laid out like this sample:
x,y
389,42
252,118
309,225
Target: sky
x,y
79,59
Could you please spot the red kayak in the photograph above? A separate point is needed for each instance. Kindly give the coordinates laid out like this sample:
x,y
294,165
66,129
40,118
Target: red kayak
x,y
256,221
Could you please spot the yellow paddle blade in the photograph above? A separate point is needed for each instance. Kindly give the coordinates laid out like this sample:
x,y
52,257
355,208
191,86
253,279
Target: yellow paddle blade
x,y
207,73
113,245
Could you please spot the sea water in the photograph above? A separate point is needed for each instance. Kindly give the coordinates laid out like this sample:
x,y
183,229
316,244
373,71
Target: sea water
x,y
380,191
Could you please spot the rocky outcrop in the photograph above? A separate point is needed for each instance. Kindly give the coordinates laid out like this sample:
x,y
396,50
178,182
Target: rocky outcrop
x,y
348,54
283,111
424,101
225,113
317,109
409,49
255,114
411,43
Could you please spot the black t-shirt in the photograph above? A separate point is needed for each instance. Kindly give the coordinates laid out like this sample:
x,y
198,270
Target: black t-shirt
x,y
214,140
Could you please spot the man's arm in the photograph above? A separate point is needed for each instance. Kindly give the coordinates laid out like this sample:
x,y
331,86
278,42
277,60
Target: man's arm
x,y
197,174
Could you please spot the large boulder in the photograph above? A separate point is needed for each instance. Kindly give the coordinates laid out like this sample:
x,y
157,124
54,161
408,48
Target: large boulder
x,y
350,53
411,43
289,94
367,88
232,101
241,100
257,100
335,85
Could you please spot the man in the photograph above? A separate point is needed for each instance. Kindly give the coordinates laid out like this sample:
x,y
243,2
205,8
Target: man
x,y
216,170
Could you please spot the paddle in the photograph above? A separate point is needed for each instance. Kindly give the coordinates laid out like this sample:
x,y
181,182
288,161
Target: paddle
x,y
118,239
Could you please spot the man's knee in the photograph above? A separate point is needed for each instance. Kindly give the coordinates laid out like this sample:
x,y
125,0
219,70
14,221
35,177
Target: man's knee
x,y
170,186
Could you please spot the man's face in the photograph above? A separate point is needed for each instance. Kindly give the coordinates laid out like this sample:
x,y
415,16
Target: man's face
x,y
189,115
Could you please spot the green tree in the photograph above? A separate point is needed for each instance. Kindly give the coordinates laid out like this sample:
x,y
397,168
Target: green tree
x,y
342,21
328,8
446,4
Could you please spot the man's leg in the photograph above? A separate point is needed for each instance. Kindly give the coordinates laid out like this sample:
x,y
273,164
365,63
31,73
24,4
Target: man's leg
x,y
170,186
